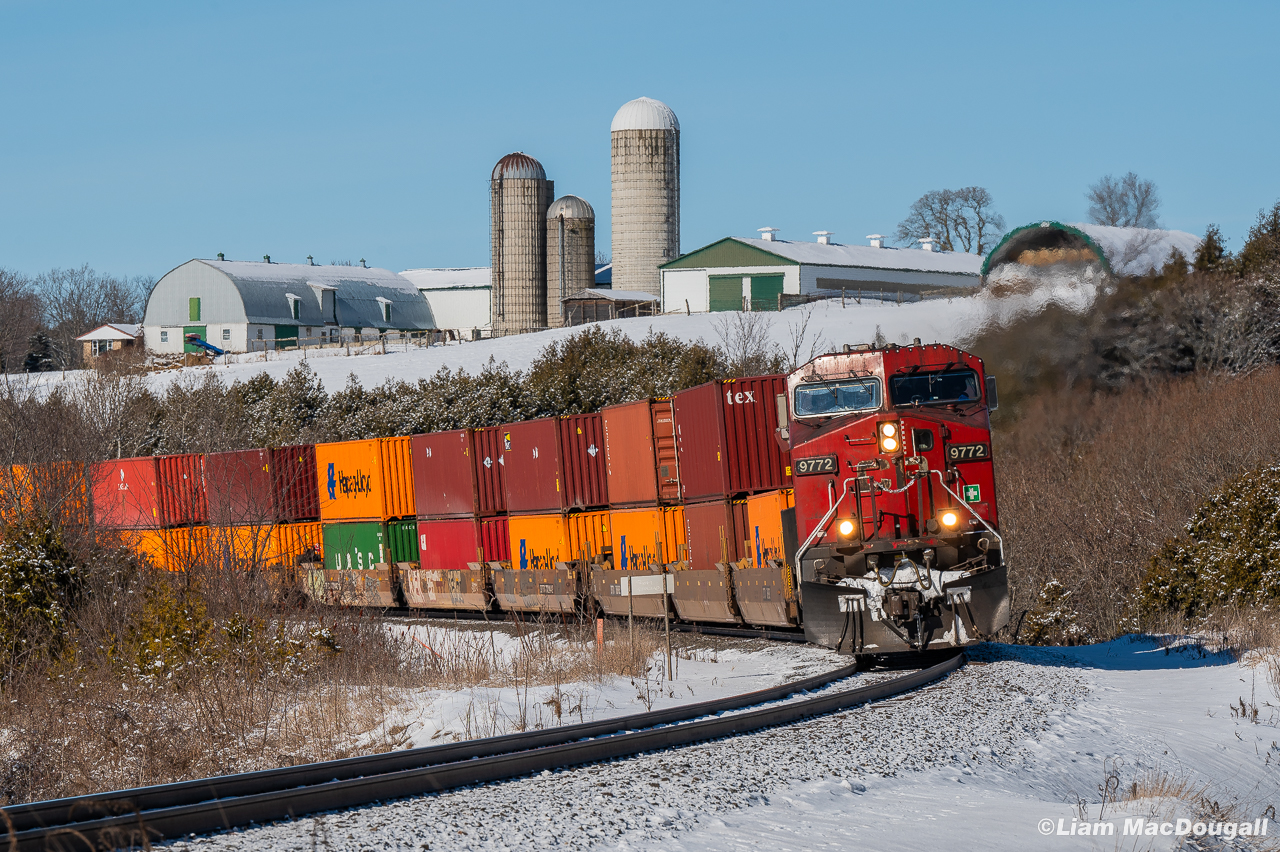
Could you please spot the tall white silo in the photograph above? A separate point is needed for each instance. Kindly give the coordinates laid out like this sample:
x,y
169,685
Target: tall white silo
x,y
519,195
571,253
646,193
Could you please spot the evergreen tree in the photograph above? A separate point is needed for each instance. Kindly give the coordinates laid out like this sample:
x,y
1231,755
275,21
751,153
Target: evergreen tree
x,y
1260,257
1211,255
41,356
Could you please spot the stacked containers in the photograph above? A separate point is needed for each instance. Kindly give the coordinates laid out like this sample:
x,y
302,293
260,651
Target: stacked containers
x,y
254,494
459,487
555,473
647,539
764,521
640,453
715,531
362,485
155,493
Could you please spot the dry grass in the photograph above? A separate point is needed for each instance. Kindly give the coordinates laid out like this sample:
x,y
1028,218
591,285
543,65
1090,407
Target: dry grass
x,y
1091,486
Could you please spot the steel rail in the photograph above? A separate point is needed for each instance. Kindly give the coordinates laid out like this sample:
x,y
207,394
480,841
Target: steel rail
x,y
208,805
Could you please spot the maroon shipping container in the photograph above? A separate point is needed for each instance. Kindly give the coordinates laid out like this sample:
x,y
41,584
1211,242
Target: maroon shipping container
x,y
555,464
640,453
295,488
182,490
715,531
495,539
725,438
125,494
239,487
458,474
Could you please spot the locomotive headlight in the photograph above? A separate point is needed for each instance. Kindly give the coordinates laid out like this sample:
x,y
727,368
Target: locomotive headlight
x,y
890,444
846,527
889,441
888,430
949,519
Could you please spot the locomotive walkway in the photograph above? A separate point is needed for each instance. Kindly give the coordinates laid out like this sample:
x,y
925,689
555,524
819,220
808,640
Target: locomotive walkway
x,y
168,811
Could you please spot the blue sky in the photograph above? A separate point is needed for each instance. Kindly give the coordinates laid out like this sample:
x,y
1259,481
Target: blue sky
x,y
138,135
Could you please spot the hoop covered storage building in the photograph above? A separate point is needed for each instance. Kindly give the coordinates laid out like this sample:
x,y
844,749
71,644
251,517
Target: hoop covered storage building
x,y
241,305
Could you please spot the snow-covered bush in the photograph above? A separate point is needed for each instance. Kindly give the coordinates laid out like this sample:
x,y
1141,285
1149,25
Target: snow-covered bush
x,y
37,588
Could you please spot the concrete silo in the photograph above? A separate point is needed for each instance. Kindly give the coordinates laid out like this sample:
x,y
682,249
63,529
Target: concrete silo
x,y
646,193
571,253
519,194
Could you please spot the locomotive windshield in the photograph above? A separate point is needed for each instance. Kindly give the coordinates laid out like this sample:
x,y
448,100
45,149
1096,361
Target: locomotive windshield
x,y
934,388
821,399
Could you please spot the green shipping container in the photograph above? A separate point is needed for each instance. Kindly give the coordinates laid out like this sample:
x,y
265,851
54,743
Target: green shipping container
x,y
403,543
359,545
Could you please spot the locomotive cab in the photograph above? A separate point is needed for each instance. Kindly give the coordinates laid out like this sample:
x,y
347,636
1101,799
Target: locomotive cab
x,y
895,504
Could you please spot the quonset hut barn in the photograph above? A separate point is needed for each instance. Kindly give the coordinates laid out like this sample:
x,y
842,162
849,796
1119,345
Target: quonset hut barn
x,y
242,306
1082,252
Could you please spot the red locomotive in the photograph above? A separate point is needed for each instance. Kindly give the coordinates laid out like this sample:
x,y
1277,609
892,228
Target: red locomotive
x,y
896,518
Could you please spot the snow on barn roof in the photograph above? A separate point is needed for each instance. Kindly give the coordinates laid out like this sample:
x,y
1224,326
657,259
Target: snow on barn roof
x,y
612,295
1122,251
112,331
450,278
837,254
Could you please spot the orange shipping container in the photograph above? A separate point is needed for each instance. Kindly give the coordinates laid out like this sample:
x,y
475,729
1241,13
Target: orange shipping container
x,y
365,480
647,538
178,549
540,541
764,521
298,543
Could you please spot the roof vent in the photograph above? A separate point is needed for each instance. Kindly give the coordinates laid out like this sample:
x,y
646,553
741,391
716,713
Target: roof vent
x,y
362,263
311,261
877,240
824,237
266,258
220,256
768,234
926,243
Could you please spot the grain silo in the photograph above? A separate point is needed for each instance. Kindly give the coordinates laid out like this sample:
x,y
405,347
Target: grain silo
x,y
571,253
519,194
646,193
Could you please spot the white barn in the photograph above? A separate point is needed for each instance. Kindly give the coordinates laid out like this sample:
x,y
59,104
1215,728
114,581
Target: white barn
x,y
459,298
241,306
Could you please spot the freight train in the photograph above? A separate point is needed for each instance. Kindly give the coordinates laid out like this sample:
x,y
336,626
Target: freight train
x,y
853,499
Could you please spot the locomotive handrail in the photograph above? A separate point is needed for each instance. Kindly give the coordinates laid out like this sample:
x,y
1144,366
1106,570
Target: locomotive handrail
x,y
969,508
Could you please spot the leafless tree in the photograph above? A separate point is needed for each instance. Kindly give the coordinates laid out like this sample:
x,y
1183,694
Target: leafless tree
x,y
746,344
80,300
957,219
798,336
1126,202
19,318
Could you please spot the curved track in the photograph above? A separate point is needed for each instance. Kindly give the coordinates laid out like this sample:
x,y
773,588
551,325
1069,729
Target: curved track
x,y
168,811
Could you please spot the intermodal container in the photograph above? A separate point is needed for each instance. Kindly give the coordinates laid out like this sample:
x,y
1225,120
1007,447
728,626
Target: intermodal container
x,y
300,543
449,543
540,541
715,531
179,549
149,492
402,541
244,547
640,453
495,539
295,496
725,438
57,490
240,488
647,538
458,474
365,480
555,464
764,525
357,545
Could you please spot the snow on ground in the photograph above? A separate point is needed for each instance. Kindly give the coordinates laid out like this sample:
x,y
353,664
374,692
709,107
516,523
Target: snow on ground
x,y
1017,737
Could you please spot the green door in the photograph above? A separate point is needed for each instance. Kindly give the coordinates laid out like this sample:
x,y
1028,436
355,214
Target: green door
x,y
725,293
403,537
765,290
193,329
286,336
359,545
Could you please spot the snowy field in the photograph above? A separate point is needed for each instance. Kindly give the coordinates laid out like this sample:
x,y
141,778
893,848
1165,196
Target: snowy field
x,y
830,325
1019,737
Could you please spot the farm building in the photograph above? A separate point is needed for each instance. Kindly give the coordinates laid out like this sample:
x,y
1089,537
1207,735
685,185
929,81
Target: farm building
x,y
460,298
738,273
597,304
242,306
1085,250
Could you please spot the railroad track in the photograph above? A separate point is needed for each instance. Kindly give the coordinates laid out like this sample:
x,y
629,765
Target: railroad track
x,y
168,811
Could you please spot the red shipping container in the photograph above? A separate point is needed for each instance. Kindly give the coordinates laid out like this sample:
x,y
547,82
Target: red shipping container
x,y
716,531
725,438
449,543
181,489
294,485
555,464
239,487
495,539
640,453
458,473
125,494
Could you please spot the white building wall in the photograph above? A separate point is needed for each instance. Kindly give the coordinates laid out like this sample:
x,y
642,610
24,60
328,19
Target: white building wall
x,y
684,285
461,308
877,279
